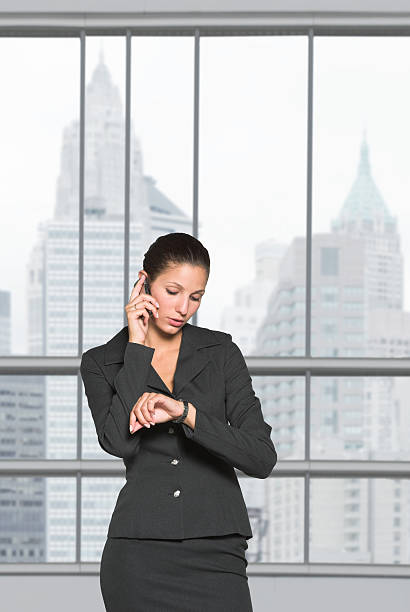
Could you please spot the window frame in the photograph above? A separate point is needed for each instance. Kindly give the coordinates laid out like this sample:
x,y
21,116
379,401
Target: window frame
x,y
307,365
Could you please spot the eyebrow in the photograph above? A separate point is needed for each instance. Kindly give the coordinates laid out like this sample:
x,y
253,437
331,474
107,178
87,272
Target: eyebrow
x,y
198,291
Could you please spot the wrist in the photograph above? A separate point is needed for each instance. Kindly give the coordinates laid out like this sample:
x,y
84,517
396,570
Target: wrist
x,y
187,414
134,341
183,414
191,416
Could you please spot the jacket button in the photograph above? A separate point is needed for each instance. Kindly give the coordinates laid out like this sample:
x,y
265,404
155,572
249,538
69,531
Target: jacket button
x,y
174,461
176,493
171,430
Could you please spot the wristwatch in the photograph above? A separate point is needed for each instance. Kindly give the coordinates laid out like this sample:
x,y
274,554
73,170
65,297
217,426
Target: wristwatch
x,y
184,414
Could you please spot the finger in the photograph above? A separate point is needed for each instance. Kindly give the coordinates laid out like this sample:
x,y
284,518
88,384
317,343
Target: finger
x,y
143,297
140,278
142,419
140,416
148,409
133,420
144,303
140,400
137,427
133,415
152,308
143,413
137,286
139,311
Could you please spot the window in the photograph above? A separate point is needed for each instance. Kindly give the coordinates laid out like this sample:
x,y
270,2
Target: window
x,y
329,261
233,156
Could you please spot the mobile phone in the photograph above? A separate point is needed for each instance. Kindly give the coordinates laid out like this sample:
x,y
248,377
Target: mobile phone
x,y
148,291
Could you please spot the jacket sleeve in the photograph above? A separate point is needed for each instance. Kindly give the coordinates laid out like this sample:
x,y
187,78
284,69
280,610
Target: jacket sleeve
x,y
245,443
111,409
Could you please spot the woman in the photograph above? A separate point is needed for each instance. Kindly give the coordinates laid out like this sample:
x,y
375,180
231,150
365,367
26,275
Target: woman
x,y
176,403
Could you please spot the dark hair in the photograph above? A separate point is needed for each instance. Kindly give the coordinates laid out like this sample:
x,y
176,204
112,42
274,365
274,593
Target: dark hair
x,y
174,249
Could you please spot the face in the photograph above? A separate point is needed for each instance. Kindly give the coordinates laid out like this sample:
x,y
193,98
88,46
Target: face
x,y
178,291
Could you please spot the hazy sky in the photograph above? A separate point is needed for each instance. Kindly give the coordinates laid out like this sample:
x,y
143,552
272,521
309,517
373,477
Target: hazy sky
x,y
253,113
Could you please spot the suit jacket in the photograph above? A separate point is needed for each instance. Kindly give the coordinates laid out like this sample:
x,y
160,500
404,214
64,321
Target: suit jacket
x,y
180,483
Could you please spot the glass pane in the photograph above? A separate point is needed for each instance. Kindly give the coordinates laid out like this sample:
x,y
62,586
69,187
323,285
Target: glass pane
x,y
38,417
275,509
99,496
104,189
37,519
359,520
361,189
162,140
252,201
360,418
39,108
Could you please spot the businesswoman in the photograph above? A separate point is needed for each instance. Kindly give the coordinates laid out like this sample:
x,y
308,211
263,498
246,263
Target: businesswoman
x,y
175,402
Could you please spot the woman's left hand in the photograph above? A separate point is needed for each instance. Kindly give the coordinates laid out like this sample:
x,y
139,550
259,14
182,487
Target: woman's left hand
x,y
154,408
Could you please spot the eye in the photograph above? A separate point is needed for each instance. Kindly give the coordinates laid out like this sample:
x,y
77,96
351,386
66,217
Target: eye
x,y
174,293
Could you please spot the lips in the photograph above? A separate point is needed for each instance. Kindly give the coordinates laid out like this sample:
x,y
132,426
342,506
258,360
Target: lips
x,y
175,322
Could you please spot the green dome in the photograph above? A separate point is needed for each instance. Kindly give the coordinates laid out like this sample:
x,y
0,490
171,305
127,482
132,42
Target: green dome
x,y
364,201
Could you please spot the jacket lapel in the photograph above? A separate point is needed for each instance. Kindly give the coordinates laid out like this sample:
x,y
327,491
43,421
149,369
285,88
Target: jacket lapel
x,y
191,359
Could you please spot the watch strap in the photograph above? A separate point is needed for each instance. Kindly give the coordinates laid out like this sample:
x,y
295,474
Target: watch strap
x,y
184,414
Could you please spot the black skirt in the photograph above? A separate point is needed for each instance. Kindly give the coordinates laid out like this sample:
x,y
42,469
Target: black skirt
x,y
192,575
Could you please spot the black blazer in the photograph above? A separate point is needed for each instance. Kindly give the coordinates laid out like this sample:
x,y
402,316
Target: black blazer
x,y
180,483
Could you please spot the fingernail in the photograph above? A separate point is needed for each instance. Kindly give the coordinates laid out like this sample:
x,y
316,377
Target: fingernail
x,y
130,428
147,425
152,423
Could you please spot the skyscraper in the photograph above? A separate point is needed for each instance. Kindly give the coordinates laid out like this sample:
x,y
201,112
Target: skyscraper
x,y
52,278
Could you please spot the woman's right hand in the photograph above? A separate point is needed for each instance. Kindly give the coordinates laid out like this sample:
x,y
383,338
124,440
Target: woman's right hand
x,y
137,312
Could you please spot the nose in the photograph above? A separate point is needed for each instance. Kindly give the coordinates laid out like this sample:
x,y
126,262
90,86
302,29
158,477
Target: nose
x,y
183,311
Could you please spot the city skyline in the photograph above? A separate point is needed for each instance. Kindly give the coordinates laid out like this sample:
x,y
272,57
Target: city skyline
x,y
392,181
362,232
